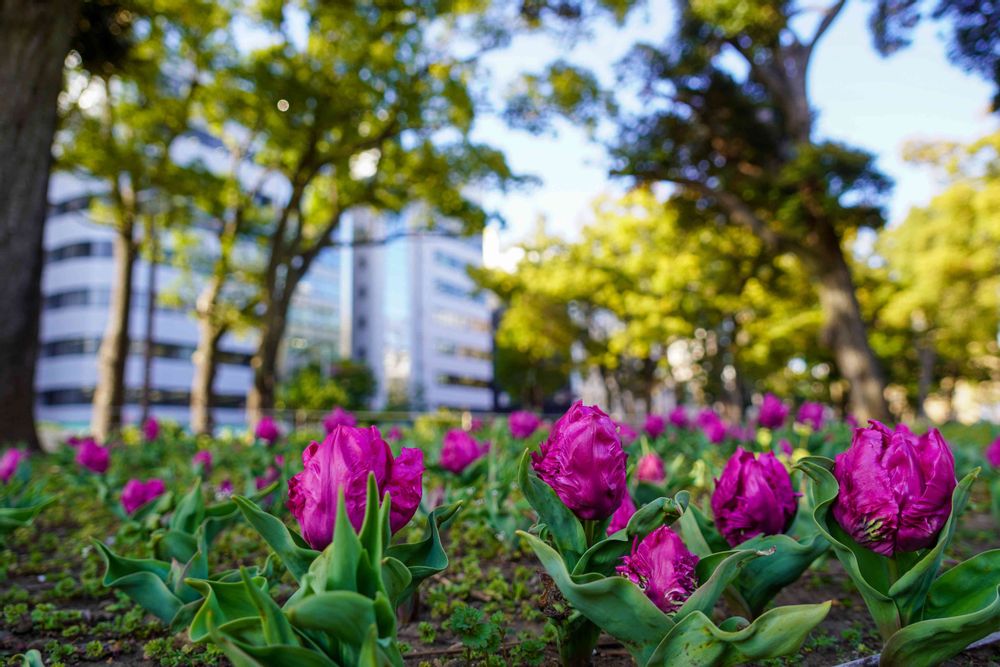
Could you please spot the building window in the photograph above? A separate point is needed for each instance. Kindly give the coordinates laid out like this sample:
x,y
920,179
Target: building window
x,y
457,291
452,320
452,349
450,261
362,321
161,397
88,346
449,380
80,203
77,250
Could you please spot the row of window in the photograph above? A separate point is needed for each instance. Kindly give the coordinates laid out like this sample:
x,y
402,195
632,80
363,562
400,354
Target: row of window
x,y
449,380
457,291
161,397
96,296
450,261
81,249
455,350
89,346
452,320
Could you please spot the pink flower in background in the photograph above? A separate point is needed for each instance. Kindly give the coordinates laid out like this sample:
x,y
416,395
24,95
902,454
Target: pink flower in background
x,y
627,433
150,429
851,420
753,496
773,412
663,568
650,469
584,463
459,450
678,417
523,423
92,456
267,430
811,413
136,493
279,460
74,441
476,425
786,447
622,515
342,464
742,433
9,463
338,417
895,488
225,488
270,476
993,453
202,459
711,425
395,434
654,426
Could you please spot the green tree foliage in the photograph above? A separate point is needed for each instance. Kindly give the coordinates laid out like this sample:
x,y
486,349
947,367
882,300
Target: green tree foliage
x,y
349,384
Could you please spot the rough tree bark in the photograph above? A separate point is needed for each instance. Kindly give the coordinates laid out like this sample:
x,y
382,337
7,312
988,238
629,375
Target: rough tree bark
x,y
112,357
34,39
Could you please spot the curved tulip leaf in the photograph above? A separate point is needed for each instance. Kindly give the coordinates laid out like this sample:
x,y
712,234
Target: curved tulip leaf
x,y
868,570
231,639
566,529
174,544
613,603
277,629
695,640
12,518
715,573
296,557
604,557
223,603
397,579
933,641
30,658
143,580
965,588
345,615
190,511
426,557
659,512
760,580
375,526
910,591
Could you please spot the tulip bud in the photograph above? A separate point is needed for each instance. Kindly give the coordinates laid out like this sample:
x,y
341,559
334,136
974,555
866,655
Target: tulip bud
x,y
650,469
622,515
752,497
654,426
584,463
267,430
663,568
338,417
523,423
460,450
895,488
136,493
772,412
626,433
92,456
202,459
712,426
811,414
342,464
9,463
678,417
993,454
150,429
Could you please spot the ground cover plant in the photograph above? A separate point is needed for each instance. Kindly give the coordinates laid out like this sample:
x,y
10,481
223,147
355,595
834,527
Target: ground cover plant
x,y
679,540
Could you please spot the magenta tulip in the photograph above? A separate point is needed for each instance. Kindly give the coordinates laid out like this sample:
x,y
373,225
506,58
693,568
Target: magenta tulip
x,y
9,463
650,469
663,568
395,434
993,454
811,414
225,488
270,476
342,463
786,447
654,426
754,496
895,488
476,425
338,417
136,493
92,456
203,460
150,429
267,430
711,425
626,433
523,423
584,463
622,515
773,412
460,450
678,417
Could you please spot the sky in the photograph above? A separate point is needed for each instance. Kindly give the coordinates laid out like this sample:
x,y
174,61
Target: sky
x,y
862,99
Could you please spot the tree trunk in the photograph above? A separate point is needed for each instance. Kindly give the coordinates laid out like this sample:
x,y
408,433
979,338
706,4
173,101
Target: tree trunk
x,y
265,362
845,334
35,38
145,401
205,366
926,353
109,396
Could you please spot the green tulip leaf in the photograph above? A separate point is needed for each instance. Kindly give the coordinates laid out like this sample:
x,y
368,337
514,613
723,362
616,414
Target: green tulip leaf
x,y
604,557
277,629
652,515
965,588
223,603
232,638
174,544
910,591
695,640
190,511
296,557
30,658
426,557
762,579
143,580
397,579
12,518
715,572
566,529
345,615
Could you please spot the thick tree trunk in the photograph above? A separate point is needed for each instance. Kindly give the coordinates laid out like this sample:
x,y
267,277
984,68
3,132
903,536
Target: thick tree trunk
x,y
206,363
145,401
265,362
109,396
34,39
846,336
926,353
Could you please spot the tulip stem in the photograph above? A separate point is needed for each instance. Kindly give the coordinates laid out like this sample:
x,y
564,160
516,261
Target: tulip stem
x,y
893,568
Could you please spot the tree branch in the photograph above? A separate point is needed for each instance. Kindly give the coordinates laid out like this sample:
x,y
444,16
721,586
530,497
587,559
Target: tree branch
x,y
828,18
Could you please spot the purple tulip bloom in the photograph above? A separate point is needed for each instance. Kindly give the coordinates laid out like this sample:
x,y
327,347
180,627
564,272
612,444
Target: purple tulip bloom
x,y
267,430
92,456
811,413
476,425
993,454
895,488
678,417
342,463
786,447
711,425
773,412
650,469
9,463
460,450
136,493
663,568
626,433
851,420
584,463
150,429
754,496
270,476
338,417
202,459
74,441
395,434
654,426
622,515
225,488
523,423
